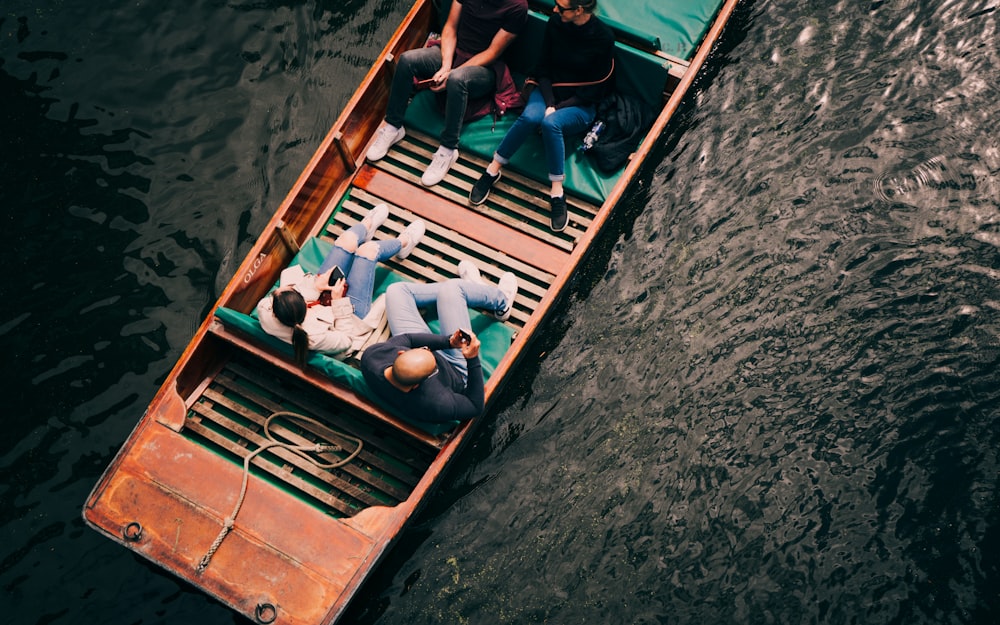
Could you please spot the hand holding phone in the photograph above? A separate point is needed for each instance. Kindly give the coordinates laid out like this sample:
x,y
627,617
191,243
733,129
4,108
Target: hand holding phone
x,y
335,274
463,337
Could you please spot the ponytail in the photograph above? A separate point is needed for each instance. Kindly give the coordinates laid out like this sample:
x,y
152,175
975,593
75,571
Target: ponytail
x,y
290,309
300,341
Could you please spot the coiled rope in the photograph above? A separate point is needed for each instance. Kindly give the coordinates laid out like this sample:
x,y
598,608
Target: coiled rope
x,y
299,450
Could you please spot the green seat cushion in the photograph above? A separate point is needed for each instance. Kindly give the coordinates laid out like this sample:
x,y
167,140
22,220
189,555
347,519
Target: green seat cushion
x,y
495,337
672,26
481,138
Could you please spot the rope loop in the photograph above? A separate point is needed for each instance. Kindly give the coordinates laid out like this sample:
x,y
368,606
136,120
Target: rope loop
x,y
299,450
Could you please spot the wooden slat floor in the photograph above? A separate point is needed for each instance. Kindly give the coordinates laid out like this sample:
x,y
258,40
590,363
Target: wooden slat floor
x,y
229,416
517,201
510,232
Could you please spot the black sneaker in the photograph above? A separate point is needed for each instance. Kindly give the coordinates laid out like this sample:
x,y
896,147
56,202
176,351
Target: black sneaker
x,y
481,190
559,216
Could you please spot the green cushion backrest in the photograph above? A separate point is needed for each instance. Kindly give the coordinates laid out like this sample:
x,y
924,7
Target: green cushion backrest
x,y
675,27
494,337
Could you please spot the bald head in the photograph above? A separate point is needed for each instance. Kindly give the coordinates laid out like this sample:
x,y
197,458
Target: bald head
x,y
413,366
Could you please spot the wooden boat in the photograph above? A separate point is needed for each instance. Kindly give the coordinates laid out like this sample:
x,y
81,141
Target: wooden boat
x,y
305,536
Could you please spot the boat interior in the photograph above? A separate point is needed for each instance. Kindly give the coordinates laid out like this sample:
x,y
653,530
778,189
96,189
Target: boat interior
x,y
248,375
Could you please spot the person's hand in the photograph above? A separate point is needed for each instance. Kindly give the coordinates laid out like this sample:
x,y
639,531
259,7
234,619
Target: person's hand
x,y
440,79
470,349
459,339
549,110
337,289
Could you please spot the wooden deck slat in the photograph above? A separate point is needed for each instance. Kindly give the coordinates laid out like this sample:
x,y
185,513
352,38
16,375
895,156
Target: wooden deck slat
x,y
441,264
471,166
265,465
528,209
443,253
527,222
476,226
384,438
452,252
410,475
515,199
316,380
446,249
408,158
206,410
518,196
456,240
354,468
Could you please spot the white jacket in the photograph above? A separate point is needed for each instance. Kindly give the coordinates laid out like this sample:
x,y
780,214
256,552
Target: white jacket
x,y
333,330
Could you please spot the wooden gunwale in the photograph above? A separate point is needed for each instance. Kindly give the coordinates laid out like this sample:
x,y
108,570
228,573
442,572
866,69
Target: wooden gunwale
x,y
328,558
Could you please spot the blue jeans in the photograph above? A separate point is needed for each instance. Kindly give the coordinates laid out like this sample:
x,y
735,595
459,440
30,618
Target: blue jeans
x,y
565,121
453,298
358,270
464,82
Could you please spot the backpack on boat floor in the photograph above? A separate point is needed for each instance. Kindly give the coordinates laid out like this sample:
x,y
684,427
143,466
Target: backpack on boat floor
x,y
626,119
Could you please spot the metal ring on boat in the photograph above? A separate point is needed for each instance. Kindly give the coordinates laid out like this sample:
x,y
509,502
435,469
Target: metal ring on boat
x,y
132,532
265,613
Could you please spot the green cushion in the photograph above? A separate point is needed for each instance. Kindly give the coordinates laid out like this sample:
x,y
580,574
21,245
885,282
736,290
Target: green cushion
x,y
494,337
673,26
622,30
481,138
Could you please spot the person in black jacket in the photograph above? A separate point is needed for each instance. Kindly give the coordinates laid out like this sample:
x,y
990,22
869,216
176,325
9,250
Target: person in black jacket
x,y
574,73
436,377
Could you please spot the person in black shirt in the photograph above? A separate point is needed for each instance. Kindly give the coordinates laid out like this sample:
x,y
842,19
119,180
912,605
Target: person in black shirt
x,y
575,71
431,377
465,66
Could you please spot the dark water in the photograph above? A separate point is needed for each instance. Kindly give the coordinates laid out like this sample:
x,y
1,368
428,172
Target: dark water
x,y
771,398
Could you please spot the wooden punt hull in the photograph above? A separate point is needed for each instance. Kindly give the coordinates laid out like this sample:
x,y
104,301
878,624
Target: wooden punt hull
x,y
305,539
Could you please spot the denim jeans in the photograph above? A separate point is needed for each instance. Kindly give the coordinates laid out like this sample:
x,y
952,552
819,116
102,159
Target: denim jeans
x,y
565,121
464,82
358,270
453,298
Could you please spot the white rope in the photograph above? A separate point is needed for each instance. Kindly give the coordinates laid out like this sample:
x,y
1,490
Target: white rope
x,y
299,450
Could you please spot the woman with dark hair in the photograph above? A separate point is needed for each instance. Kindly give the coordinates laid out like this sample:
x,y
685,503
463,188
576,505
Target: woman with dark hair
x,y
312,314
574,72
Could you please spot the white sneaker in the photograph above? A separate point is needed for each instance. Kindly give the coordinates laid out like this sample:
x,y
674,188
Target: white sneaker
x,y
386,137
375,218
443,159
507,286
413,232
467,270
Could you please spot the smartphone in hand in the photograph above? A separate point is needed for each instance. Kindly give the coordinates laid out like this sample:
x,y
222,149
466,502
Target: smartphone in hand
x,y
335,274
464,337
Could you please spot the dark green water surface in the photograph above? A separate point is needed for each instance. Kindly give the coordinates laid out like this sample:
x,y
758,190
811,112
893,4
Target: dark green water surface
x,y
772,396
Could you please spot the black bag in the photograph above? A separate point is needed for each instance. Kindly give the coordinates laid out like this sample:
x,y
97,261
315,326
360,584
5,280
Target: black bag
x,y
626,119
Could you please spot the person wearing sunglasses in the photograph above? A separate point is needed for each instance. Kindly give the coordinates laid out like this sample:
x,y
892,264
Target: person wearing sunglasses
x,y
575,71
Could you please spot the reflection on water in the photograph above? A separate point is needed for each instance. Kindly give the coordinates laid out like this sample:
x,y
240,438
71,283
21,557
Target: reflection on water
x,y
772,396
779,402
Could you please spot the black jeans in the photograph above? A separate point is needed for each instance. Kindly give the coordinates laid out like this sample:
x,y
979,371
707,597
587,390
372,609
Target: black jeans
x,y
464,82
